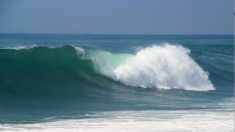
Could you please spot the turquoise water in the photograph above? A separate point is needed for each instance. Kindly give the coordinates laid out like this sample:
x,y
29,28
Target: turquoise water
x,y
70,76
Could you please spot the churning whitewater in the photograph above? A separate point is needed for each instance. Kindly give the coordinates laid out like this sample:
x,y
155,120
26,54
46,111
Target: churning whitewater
x,y
163,66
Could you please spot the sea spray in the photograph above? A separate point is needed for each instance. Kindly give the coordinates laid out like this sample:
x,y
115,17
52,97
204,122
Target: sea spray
x,y
163,66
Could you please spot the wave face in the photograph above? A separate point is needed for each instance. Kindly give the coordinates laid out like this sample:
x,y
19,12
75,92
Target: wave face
x,y
164,67
33,73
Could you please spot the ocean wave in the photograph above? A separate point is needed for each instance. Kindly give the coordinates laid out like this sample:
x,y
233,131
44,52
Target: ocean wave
x,y
43,71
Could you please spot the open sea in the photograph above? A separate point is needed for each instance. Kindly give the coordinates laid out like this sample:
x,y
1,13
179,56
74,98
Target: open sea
x,y
123,83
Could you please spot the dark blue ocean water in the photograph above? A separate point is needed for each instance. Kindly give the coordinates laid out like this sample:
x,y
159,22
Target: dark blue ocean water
x,y
70,76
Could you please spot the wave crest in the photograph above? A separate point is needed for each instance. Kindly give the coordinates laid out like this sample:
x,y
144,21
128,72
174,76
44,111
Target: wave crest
x,y
164,66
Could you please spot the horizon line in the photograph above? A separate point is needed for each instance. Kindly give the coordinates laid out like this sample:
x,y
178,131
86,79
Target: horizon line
x,y
104,34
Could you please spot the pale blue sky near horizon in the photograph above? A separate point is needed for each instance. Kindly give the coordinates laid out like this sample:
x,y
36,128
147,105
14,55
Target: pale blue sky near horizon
x,y
117,16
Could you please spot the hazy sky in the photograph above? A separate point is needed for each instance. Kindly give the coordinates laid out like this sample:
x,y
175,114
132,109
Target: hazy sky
x,y
117,16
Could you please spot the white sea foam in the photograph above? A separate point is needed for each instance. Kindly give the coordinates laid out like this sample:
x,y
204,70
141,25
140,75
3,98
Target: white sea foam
x,y
137,121
19,47
163,66
80,51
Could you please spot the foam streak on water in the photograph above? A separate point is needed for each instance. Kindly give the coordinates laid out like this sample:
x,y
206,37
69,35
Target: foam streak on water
x,y
141,121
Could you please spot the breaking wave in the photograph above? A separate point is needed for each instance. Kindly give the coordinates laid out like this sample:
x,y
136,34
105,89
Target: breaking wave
x,y
42,71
